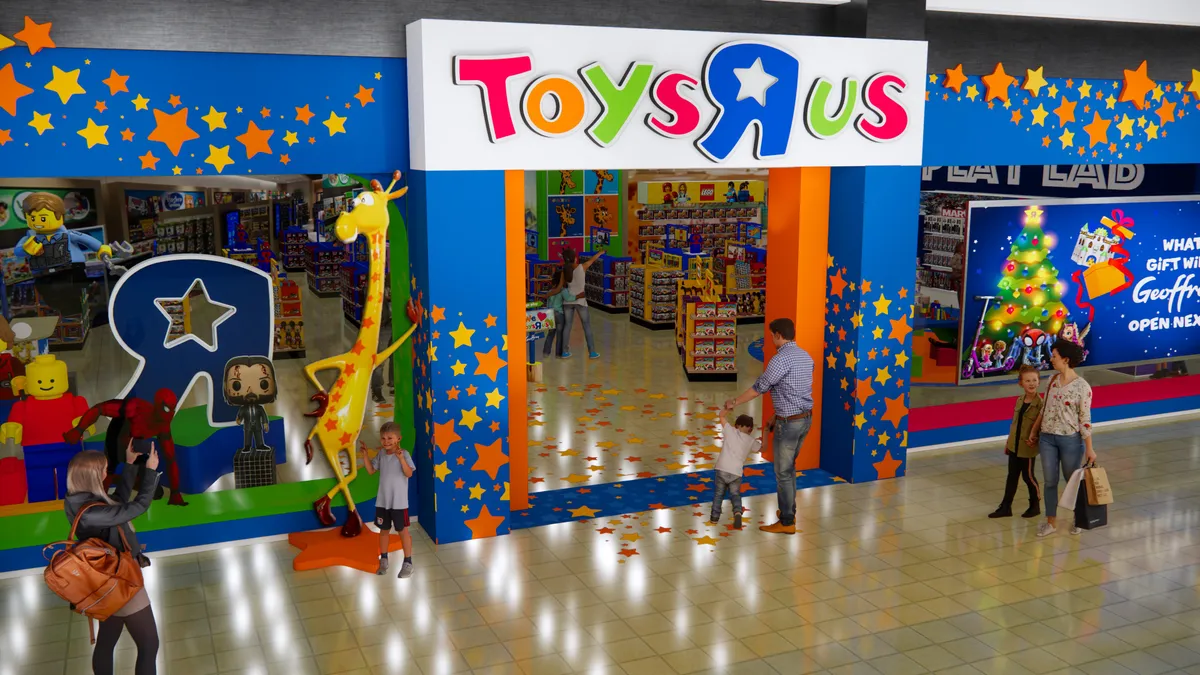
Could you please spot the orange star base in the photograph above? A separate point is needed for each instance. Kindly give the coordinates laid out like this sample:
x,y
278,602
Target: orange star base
x,y
328,548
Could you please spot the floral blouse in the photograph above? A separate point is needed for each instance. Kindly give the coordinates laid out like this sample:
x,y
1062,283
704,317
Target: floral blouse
x,y
1068,408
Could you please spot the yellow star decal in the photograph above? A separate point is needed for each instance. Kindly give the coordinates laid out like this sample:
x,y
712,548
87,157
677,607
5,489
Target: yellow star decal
x,y
504,497
41,122
851,360
462,335
972,92
1110,102
1034,80
1152,130
290,138
476,492
176,170
432,352
882,305
859,420
65,83
856,320
1067,138
335,124
1053,91
878,332
1039,115
140,102
494,397
94,134
218,157
214,119
831,360
441,471
901,359
459,367
583,512
884,438
1158,92
1125,126
1085,90
705,541
470,418
882,375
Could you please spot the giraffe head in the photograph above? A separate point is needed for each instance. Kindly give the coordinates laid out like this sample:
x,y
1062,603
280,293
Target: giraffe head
x,y
370,213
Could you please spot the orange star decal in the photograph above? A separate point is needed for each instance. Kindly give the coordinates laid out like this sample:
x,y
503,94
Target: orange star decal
x,y
173,100
444,436
265,112
331,424
484,525
837,284
896,410
101,106
285,159
149,161
358,348
328,548
452,393
346,438
954,79
1165,112
1097,130
998,83
886,467
368,322
900,328
438,314
11,90
116,83
490,363
1065,111
490,321
5,136
172,130
350,369
36,36
364,96
863,390
255,140
304,114
491,458
1136,86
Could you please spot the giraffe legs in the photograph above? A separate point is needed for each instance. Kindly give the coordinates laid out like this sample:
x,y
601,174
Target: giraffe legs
x,y
323,506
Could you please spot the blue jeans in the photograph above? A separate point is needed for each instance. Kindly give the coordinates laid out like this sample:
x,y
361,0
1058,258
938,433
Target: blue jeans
x,y
726,483
1063,453
584,318
560,320
787,439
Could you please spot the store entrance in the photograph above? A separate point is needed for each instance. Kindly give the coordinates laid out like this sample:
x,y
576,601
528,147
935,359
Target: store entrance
x,y
660,322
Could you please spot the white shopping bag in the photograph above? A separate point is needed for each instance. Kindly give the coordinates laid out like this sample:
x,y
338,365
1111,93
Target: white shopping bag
x,y
1071,491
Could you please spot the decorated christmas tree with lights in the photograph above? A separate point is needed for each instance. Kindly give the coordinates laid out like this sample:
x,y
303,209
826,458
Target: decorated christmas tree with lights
x,y
1030,295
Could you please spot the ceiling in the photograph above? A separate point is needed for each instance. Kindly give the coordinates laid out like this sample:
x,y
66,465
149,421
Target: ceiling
x,y
1168,12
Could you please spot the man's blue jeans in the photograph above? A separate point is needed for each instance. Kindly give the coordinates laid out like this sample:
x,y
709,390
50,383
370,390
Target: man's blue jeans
x,y
787,439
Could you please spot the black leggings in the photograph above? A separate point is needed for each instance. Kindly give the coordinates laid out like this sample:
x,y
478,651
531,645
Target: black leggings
x,y
144,633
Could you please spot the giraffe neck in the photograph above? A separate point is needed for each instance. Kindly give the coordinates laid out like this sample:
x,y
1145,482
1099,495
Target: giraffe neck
x,y
377,249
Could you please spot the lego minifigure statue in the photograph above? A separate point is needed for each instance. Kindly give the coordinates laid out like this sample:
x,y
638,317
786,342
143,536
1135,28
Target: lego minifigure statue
x,y
49,244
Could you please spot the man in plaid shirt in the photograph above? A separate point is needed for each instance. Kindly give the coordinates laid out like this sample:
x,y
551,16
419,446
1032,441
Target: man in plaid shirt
x,y
789,379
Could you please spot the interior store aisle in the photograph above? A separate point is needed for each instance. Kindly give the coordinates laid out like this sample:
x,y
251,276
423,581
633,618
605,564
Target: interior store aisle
x,y
632,413
903,576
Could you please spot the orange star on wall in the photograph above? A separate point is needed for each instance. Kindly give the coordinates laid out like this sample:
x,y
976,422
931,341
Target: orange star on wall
x,y
863,390
886,467
304,114
1065,111
36,36
1165,112
896,410
11,90
444,436
1097,130
490,321
173,100
998,83
954,79
438,314
490,363
491,458
149,161
256,140
364,95
172,130
837,284
485,525
900,328
1136,86
116,83
5,136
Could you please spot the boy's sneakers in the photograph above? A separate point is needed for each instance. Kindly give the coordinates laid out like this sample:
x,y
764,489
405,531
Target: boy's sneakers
x,y
378,397
594,355
737,521
713,521
406,570
565,355
1002,512
383,565
1032,512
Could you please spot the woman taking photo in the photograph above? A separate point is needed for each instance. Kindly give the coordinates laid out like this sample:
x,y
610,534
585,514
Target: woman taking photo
x,y
574,274
1065,426
85,485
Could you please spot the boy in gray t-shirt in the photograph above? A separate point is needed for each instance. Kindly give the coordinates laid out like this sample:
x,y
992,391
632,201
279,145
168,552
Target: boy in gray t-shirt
x,y
395,466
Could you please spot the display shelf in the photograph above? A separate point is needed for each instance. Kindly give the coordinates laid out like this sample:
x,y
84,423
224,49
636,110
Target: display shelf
x,y
289,315
539,278
354,290
323,267
292,248
706,336
185,233
607,284
256,219
653,290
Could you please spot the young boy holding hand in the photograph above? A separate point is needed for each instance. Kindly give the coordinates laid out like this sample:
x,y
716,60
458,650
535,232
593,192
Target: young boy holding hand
x,y
395,466
736,446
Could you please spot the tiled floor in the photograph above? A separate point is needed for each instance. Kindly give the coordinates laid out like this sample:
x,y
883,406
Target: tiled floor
x,y
892,577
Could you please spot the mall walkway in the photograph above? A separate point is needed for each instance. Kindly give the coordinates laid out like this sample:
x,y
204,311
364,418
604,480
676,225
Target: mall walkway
x,y
895,577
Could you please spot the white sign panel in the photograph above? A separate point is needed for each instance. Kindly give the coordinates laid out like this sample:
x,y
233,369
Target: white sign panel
x,y
524,96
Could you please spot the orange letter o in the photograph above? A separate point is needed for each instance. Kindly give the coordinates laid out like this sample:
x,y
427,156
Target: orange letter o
x,y
567,96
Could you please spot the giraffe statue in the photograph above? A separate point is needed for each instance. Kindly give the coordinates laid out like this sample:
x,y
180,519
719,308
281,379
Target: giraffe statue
x,y
340,411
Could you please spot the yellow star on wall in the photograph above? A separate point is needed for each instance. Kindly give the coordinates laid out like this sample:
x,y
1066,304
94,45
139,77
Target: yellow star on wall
x,y
459,367
494,397
1067,138
215,120
882,375
884,438
1125,126
140,102
65,83
1152,130
1034,80
1085,90
831,360
218,157
462,335
1110,102
470,418
335,124
972,92
41,122
882,305
441,471
94,134
1158,92
856,320
851,360
290,138
901,359
177,170
1039,115
878,332
1053,91
476,492
432,352
859,420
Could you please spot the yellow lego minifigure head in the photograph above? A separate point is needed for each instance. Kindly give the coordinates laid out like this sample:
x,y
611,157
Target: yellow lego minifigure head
x,y
44,212
46,377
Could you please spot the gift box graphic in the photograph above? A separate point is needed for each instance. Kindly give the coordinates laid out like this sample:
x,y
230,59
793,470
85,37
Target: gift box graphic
x,y
1110,276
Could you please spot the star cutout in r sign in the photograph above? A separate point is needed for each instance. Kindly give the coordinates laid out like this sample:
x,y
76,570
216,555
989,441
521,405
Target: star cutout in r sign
x,y
754,82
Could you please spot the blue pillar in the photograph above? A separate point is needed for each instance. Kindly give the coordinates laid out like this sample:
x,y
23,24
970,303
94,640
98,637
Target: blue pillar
x,y
868,339
456,229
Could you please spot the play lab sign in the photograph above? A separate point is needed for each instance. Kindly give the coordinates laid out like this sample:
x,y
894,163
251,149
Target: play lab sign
x,y
519,96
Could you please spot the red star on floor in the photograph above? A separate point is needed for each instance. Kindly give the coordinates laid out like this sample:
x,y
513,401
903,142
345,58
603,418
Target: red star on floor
x,y
328,548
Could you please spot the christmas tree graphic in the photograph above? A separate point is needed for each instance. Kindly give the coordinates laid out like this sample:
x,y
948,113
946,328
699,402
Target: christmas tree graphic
x,y
1030,295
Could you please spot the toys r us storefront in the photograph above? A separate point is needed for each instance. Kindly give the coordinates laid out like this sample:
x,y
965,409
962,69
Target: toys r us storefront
x,y
842,126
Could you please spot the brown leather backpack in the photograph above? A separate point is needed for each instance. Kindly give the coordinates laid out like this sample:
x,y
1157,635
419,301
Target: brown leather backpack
x,y
93,575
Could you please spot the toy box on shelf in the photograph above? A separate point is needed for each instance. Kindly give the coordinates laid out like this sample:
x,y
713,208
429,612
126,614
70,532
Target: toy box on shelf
x,y
743,268
354,290
256,219
539,277
293,244
185,234
70,330
608,284
653,289
143,236
289,315
706,333
323,264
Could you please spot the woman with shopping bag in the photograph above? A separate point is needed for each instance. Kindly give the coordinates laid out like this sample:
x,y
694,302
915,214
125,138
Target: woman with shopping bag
x,y
1064,430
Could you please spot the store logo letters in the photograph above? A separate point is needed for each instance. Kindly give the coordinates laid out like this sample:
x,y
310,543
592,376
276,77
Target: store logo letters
x,y
749,83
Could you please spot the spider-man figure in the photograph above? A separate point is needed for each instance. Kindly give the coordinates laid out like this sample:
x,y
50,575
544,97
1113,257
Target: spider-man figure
x,y
138,420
